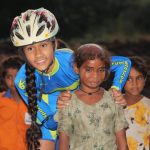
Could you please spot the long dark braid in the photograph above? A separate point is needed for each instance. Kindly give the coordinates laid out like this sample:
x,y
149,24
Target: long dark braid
x,y
33,133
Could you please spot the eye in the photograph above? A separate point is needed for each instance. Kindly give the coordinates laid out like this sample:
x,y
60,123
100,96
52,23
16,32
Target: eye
x,y
44,45
10,77
88,69
28,49
129,79
140,78
102,69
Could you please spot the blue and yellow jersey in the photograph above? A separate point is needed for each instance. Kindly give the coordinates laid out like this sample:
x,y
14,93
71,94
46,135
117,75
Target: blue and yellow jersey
x,y
61,78
121,67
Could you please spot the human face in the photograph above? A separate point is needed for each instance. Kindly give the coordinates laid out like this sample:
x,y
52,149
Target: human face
x,y
10,77
92,74
135,83
39,55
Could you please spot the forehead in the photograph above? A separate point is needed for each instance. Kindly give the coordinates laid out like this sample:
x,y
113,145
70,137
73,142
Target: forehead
x,y
38,43
94,63
134,72
11,71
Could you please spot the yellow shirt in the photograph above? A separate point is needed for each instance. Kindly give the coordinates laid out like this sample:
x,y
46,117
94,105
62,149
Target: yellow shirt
x,y
138,117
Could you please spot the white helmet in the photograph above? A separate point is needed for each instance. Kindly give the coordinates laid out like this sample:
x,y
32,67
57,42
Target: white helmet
x,y
33,26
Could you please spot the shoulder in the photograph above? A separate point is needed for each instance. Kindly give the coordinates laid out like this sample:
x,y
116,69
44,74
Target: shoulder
x,y
5,96
2,94
146,101
21,72
21,77
64,52
74,103
64,55
107,95
110,101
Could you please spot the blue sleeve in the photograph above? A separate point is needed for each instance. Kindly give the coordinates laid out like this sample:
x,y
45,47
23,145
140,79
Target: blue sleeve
x,y
121,66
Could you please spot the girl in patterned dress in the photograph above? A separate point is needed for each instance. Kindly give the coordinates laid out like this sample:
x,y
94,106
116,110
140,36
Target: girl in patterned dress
x,y
92,120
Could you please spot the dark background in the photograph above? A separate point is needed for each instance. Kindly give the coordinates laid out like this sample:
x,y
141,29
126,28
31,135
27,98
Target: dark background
x,y
122,26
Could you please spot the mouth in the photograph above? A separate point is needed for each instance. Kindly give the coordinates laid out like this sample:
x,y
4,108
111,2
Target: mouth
x,y
95,83
134,90
40,62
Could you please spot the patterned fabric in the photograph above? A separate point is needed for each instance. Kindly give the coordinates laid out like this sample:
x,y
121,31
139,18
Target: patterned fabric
x,y
138,117
91,127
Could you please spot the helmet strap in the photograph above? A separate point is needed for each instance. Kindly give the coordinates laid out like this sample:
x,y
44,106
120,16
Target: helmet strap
x,y
46,70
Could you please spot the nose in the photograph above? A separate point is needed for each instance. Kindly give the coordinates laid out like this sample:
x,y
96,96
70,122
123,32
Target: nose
x,y
134,82
37,52
95,74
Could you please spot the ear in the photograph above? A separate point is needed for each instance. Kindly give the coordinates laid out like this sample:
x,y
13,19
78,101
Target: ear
x,y
76,68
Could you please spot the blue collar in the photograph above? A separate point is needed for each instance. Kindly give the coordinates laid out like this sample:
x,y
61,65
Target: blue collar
x,y
7,94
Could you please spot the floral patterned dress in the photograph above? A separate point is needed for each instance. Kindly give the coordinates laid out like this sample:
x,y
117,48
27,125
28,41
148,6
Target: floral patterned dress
x,y
138,117
91,127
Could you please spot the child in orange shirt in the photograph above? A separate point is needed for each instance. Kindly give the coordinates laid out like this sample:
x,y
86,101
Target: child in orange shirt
x,y
14,119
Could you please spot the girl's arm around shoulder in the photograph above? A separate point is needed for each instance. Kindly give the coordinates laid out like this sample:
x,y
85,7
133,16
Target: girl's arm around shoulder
x,y
121,66
121,140
63,141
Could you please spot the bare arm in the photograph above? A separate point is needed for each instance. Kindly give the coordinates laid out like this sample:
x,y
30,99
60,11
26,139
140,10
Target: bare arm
x,y
63,141
47,145
149,141
121,140
63,99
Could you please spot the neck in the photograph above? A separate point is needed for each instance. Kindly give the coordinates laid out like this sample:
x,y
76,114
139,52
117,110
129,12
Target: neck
x,y
90,93
47,70
15,96
132,99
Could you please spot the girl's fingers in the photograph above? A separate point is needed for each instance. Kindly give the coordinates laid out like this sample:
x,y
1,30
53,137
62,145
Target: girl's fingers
x,y
63,99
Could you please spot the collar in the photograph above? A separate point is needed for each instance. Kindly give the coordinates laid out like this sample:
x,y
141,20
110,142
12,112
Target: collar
x,y
7,94
54,70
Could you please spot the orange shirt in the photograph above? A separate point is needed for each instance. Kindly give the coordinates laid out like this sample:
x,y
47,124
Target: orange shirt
x,y
12,123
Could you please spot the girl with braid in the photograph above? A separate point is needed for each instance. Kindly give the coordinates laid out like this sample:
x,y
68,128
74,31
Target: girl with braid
x,y
48,71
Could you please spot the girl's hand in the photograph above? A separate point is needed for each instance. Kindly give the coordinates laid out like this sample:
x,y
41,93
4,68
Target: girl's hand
x,y
63,99
118,97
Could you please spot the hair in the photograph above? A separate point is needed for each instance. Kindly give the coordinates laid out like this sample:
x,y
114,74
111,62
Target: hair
x,y
139,64
61,44
14,62
33,133
90,52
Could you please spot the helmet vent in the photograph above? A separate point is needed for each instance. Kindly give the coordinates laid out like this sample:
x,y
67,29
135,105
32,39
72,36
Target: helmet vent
x,y
19,36
27,17
53,25
28,30
40,30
